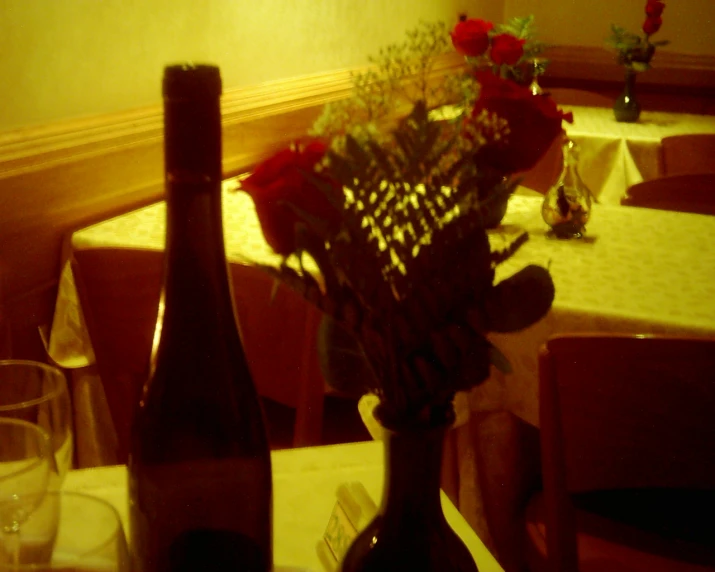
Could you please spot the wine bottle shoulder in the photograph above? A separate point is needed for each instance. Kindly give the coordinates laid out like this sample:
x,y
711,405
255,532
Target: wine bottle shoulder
x,y
199,396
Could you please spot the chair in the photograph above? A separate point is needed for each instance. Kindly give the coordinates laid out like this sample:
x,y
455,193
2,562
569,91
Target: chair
x,y
572,96
691,193
628,455
693,153
119,293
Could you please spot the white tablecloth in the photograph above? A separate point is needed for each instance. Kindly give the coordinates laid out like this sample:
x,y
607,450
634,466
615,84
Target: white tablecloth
x,y
614,156
305,482
144,229
637,271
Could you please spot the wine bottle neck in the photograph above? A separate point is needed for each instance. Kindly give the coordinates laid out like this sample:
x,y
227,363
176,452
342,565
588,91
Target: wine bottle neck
x,y
196,273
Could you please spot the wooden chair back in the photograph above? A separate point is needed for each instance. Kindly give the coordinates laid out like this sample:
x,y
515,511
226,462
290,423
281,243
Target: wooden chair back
x,y
691,153
690,193
622,412
119,292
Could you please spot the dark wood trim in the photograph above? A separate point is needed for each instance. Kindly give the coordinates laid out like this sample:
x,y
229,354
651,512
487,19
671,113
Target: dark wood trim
x,y
676,82
599,64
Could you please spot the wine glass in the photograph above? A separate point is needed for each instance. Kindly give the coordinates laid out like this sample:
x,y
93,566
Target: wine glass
x,y
25,461
37,392
89,537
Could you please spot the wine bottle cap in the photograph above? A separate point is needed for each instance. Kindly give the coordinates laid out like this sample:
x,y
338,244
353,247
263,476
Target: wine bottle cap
x,y
191,81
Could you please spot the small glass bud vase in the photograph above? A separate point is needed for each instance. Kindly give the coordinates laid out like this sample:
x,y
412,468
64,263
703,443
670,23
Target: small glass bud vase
x,y
537,69
627,108
567,204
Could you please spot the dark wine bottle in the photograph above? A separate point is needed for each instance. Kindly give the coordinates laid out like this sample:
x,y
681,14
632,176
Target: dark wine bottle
x,y
199,465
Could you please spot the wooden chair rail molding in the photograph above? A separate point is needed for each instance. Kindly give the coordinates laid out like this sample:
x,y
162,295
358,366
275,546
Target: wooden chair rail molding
x,y
60,177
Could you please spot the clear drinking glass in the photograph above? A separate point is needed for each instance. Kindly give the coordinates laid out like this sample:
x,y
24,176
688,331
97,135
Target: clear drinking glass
x,y
37,392
25,461
88,537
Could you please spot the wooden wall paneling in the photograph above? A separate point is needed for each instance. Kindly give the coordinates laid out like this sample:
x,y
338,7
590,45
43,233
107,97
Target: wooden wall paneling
x,y
677,82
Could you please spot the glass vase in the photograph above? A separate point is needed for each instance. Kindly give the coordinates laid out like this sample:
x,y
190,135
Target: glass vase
x,y
626,107
567,204
537,68
410,531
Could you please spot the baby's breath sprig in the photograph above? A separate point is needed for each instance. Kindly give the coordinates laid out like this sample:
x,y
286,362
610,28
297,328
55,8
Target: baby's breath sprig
x,y
398,78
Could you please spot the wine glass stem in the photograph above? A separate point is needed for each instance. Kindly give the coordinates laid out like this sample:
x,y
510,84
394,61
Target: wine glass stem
x,y
12,547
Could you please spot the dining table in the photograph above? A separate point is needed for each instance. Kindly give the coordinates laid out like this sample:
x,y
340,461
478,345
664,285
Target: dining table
x,y
614,155
636,270
305,491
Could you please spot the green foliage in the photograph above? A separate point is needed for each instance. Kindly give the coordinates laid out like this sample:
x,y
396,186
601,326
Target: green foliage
x,y
413,255
623,40
410,272
524,29
633,51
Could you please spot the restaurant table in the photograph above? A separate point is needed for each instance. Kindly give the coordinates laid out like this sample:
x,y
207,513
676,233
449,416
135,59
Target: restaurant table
x,y
305,482
144,229
614,156
636,271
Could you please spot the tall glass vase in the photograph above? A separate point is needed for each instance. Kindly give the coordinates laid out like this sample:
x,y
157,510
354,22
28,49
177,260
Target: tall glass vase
x,y
626,107
410,531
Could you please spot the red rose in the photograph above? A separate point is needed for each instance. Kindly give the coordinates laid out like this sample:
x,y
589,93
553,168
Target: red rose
x,y
506,49
279,182
652,25
654,8
471,37
534,122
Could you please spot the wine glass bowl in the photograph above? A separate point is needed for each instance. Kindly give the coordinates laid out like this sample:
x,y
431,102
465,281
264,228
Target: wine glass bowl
x,y
37,393
88,536
25,461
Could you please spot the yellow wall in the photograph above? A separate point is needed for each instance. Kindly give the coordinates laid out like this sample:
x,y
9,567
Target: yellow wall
x,y
68,58
688,24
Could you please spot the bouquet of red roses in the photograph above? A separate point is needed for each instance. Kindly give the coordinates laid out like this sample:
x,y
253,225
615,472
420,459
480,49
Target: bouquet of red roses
x,y
505,48
636,51
394,218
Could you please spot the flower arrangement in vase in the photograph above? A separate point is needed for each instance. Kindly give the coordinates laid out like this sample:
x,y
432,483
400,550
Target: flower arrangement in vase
x,y
510,50
634,53
381,217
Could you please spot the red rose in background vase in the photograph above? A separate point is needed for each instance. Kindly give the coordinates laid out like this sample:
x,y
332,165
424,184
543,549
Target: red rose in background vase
x,y
652,25
506,49
534,122
471,37
654,8
281,181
